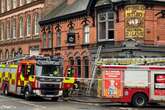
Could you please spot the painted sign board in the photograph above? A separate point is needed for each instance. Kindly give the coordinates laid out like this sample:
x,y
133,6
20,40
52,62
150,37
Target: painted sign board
x,y
112,84
134,21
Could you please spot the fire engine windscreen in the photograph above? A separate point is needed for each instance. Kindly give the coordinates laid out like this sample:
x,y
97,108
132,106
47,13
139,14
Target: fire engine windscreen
x,y
49,70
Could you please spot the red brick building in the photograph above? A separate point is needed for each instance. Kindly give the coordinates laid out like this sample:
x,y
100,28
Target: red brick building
x,y
19,28
131,29
69,31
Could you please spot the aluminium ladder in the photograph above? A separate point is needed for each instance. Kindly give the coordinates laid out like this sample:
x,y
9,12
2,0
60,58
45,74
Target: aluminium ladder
x,y
94,67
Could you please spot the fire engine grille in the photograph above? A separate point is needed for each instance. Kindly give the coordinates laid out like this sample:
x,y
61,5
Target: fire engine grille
x,y
49,89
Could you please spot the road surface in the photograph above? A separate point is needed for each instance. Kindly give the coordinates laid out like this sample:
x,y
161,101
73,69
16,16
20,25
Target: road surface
x,y
17,103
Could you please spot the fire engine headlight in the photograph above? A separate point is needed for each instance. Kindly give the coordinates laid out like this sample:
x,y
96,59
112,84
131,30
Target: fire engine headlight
x,y
37,92
60,92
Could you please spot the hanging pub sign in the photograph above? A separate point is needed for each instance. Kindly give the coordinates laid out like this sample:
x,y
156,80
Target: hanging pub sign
x,y
134,21
71,38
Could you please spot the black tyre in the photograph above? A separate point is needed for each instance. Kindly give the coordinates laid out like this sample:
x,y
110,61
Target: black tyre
x,y
27,94
6,91
55,99
139,100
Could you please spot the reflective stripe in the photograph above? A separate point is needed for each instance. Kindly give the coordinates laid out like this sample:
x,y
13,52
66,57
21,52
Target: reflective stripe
x,y
25,83
22,77
69,80
31,78
19,82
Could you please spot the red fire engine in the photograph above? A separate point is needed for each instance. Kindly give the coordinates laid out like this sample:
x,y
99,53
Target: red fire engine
x,y
136,85
33,76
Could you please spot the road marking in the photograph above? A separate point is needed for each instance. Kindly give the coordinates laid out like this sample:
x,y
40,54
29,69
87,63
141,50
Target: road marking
x,y
31,104
21,101
4,107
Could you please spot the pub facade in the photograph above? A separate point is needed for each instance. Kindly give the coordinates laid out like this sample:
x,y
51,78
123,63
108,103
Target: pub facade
x,y
131,31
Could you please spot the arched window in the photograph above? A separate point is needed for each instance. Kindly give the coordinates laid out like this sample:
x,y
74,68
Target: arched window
x,y
36,25
7,54
50,39
86,67
78,62
44,40
28,25
71,61
20,52
14,28
21,26
86,32
58,40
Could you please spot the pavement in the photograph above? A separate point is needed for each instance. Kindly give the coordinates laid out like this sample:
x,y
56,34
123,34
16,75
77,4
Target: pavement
x,y
88,99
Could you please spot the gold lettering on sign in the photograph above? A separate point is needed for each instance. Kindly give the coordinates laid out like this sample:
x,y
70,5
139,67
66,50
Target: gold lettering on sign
x,y
134,21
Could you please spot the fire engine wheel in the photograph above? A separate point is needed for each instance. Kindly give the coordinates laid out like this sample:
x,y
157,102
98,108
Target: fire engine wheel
x,y
139,100
27,94
6,91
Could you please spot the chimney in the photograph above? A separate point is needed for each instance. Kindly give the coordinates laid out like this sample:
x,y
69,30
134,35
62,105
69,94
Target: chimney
x,y
70,2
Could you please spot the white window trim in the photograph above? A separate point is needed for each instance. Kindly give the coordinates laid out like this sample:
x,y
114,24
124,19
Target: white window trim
x,y
84,33
50,38
35,26
99,21
21,32
27,27
14,28
15,4
57,38
44,40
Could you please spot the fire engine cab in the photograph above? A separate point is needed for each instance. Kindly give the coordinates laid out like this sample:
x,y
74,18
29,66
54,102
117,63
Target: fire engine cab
x,y
136,85
33,76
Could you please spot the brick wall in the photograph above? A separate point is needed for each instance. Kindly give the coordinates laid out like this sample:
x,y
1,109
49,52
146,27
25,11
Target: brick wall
x,y
153,26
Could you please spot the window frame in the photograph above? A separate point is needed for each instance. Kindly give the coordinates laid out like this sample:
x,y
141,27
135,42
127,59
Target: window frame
x,y
14,4
8,30
28,25
14,28
2,31
106,21
36,25
58,38
50,39
21,27
86,33
44,44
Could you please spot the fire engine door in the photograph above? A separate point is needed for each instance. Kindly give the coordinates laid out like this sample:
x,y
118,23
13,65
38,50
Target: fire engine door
x,y
157,89
30,72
